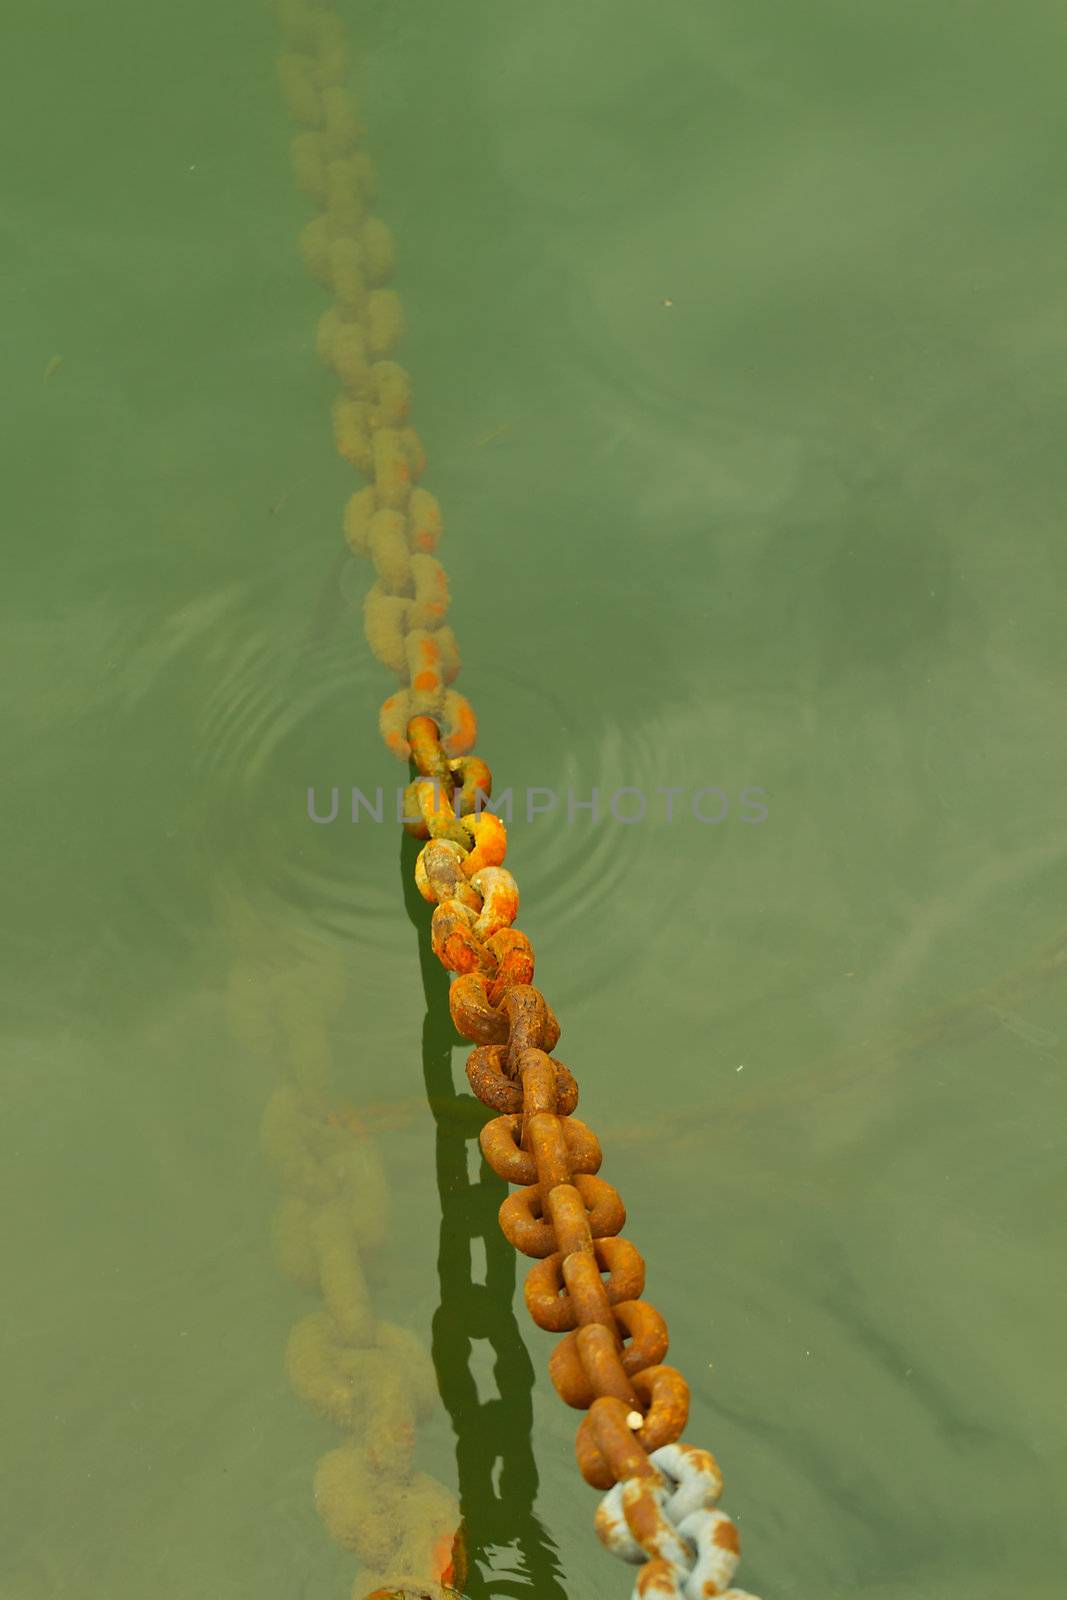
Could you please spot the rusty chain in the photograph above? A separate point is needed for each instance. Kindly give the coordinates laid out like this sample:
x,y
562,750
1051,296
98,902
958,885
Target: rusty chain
x,y
393,521
588,1280
609,1362
496,1472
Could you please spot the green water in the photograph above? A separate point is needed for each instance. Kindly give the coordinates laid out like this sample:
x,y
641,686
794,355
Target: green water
x,y
738,342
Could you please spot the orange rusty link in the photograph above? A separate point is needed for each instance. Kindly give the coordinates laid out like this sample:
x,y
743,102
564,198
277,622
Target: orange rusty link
x,y
439,874
665,1392
524,1224
439,878
500,1145
514,956
613,1441
428,812
475,784
546,1085
472,1014
598,1352
589,1294
549,1296
553,1163
487,1077
500,901
535,1070
531,1022
426,750
430,800
586,1281
490,842
478,1020
569,1216
636,1319
454,941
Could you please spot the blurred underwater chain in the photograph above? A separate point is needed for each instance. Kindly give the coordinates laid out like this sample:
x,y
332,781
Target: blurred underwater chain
x,y
660,1511
372,1379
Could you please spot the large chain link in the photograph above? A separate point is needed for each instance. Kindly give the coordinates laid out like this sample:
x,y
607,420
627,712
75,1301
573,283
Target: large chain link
x,y
394,521
588,1280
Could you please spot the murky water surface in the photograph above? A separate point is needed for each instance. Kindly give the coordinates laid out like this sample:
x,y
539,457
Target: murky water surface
x,y
738,342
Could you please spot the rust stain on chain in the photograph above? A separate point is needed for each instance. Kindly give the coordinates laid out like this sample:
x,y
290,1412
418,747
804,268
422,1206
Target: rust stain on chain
x,y
610,1362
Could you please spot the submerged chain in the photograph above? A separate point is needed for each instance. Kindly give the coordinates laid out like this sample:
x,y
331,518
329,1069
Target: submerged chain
x,y
588,1281
370,1379
394,521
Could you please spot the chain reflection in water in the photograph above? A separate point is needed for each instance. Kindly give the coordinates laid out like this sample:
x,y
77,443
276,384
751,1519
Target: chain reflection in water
x,y
497,1472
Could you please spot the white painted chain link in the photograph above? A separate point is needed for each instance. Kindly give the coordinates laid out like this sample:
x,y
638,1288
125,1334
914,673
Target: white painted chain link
x,y
688,1549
